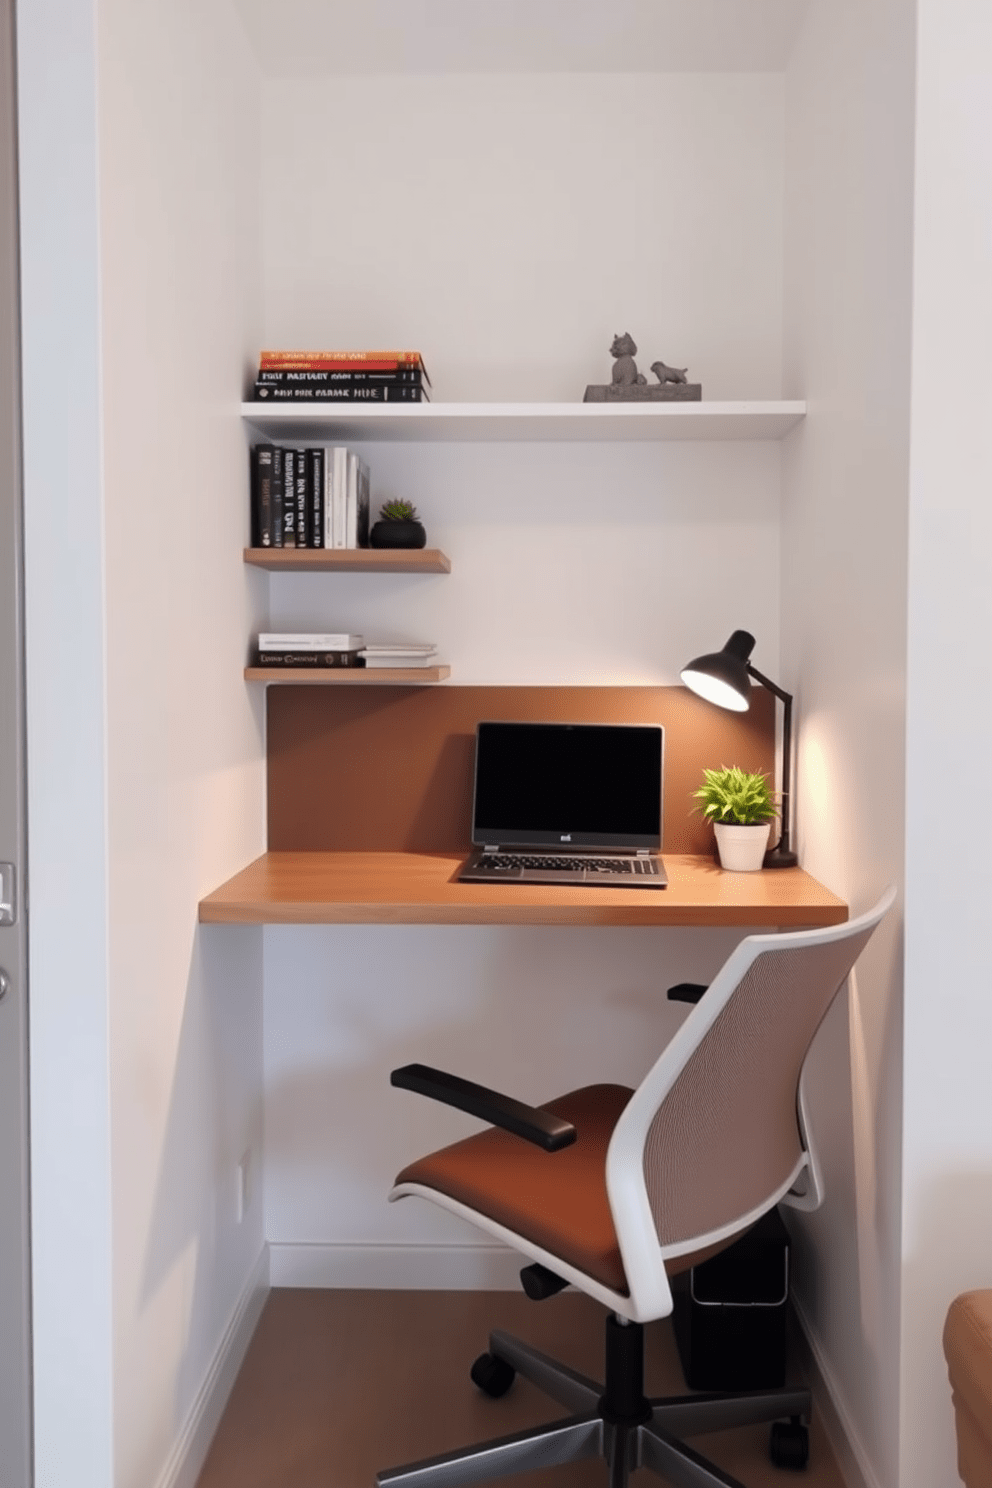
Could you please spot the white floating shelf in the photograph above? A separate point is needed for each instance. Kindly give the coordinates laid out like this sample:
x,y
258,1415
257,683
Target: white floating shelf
x,y
517,422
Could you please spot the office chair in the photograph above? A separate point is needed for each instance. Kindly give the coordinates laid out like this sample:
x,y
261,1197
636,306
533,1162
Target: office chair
x,y
613,1191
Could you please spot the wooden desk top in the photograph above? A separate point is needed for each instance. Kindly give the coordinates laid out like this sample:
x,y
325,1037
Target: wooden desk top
x,y
394,888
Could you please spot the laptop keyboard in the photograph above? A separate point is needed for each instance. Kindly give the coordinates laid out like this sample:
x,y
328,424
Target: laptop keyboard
x,y
513,861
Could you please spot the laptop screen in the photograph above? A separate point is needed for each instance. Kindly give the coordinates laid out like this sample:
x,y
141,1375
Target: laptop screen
x,y
578,784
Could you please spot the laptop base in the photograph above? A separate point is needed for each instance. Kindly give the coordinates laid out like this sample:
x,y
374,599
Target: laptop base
x,y
593,870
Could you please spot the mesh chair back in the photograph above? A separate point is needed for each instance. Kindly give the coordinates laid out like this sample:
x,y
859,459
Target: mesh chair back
x,y
726,1138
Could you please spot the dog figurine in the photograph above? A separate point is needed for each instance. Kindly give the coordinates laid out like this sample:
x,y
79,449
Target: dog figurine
x,y
667,374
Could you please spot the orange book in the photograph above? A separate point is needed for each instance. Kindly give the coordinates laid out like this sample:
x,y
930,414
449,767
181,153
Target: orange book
x,y
381,360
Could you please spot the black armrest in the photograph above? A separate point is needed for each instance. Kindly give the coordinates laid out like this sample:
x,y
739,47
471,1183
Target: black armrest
x,y
534,1125
686,992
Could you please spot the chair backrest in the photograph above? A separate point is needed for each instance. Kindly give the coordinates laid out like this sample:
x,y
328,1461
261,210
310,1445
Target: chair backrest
x,y
716,1127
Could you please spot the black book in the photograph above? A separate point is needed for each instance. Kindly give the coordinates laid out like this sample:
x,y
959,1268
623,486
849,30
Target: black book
x,y
253,522
323,659
363,505
289,499
315,468
261,464
372,392
327,377
303,539
277,495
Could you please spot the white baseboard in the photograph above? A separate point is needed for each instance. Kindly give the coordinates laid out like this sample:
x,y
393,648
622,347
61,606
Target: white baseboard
x,y
848,1448
189,1452
453,1268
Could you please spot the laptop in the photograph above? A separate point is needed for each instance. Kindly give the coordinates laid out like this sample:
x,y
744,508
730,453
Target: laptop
x,y
567,803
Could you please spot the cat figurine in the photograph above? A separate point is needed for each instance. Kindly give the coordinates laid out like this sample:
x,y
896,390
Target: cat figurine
x,y
625,373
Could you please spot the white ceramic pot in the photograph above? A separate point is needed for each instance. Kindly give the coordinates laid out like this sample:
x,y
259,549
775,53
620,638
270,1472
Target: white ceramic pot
x,y
741,849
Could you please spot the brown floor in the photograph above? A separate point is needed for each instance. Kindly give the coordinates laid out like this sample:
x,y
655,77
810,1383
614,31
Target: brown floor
x,y
337,1385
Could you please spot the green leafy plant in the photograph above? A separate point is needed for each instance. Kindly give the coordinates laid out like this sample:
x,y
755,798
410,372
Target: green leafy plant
x,y
735,798
398,511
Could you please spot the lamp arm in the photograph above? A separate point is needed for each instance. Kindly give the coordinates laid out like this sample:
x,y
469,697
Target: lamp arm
x,y
780,693
784,848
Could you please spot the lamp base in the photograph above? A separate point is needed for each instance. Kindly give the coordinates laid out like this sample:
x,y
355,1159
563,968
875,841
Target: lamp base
x,y
779,857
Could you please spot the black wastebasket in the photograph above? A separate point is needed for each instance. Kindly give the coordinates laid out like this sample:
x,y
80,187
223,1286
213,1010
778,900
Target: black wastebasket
x,y
730,1313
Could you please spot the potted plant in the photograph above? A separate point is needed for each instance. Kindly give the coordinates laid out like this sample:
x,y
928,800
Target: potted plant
x,y
398,527
741,808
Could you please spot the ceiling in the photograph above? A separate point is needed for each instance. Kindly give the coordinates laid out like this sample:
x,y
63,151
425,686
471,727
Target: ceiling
x,y
317,38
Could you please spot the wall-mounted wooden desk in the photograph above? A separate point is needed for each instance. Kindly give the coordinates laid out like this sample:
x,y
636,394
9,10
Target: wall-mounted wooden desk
x,y
370,798
397,888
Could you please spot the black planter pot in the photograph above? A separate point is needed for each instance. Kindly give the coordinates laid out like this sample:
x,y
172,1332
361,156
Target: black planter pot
x,y
398,535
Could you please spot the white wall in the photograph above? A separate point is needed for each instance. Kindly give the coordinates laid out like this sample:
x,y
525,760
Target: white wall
x,y
849,161
570,564
312,38
527,221
65,703
179,199
140,226
947,1161
509,227
344,1006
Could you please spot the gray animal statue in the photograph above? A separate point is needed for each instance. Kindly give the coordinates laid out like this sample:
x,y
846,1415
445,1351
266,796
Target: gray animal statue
x,y
630,386
665,373
625,373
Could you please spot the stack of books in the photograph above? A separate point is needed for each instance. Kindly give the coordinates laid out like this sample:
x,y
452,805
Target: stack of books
x,y
398,654
309,649
309,498
341,376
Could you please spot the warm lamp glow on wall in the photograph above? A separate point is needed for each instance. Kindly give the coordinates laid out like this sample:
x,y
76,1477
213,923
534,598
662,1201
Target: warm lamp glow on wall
x,y
724,678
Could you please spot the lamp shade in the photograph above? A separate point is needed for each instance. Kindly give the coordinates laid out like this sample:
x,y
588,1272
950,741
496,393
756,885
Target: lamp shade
x,y
722,677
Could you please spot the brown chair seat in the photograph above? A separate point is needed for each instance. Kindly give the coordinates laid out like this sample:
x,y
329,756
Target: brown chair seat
x,y
968,1350
555,1199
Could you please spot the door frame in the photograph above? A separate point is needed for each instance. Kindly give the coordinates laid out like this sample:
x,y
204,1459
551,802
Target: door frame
x,y
15,1306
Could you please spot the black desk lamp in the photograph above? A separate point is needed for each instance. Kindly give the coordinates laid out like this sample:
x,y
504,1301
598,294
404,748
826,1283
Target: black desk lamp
x,y
724,678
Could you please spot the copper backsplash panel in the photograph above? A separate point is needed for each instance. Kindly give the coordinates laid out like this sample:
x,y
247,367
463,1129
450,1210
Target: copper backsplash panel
x,y
389,769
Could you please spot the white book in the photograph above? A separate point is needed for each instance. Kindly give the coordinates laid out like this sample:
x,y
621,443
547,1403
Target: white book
x,y
328,498
351,502
399,651
373,662
401,645
340,463
308,640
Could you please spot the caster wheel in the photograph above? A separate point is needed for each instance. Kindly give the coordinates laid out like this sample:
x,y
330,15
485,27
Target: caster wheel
x,y
788,1445
493,1376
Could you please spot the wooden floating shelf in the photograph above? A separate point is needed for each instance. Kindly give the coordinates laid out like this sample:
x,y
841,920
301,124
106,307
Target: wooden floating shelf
x,y
349,676
349,560
499,422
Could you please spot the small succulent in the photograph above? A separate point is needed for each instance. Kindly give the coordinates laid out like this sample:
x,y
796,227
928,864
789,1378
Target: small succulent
x,y
733,797
398,511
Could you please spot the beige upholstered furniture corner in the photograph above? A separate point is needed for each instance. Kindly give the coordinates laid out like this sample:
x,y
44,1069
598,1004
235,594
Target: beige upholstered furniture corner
x,y
968,1350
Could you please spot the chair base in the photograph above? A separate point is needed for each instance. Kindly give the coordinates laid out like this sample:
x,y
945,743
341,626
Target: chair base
x,y
615,1421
